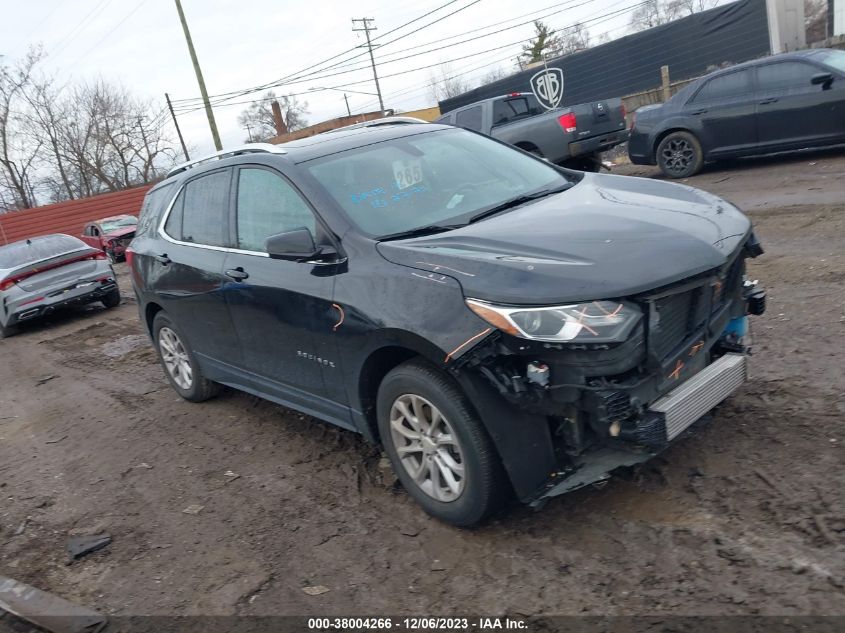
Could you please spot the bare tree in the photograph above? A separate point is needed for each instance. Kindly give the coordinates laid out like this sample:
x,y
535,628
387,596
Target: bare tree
x,y
18,156
576,38
258,120
444,84
494,74
815,20
656,12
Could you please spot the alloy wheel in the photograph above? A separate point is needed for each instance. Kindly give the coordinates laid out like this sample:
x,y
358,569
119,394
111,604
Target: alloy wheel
x,y
678,155
427,447
175,358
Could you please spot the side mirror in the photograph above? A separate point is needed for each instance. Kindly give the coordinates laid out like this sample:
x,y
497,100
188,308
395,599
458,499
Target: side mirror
x,y
296,245
822,79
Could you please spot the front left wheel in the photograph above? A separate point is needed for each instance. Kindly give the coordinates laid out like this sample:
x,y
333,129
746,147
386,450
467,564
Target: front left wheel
x,y
179,362
438,447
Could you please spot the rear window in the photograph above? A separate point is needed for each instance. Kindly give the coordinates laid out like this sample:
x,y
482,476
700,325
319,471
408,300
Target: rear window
x,y
205,216
730,87
37,249
514,108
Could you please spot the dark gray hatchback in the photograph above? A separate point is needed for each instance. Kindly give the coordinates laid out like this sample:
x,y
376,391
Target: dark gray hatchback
x,y
500,325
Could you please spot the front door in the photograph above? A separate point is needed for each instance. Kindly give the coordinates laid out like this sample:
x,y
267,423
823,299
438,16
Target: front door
x,y
725,108
282,310
792,111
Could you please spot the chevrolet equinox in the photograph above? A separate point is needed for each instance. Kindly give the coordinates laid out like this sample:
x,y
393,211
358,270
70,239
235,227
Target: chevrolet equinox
x,y
500,325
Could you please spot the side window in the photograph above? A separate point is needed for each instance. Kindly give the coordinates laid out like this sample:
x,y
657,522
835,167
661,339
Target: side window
x,y
469,118
786,78
153,205
205,213
173,226
731,87
268,205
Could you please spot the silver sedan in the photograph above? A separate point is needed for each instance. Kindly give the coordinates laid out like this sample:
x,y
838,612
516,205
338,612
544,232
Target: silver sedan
x,y
42,274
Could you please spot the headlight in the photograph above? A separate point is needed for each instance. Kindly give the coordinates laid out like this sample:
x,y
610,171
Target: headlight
x,y
593,322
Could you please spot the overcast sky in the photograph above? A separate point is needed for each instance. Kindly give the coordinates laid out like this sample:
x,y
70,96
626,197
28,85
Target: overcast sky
x,y
246,43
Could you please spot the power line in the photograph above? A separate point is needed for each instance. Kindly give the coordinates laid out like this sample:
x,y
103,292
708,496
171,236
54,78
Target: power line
x,y
67,39
108,34
298,74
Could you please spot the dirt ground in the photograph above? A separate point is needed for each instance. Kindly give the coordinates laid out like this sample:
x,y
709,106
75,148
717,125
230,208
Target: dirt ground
x,y
744,516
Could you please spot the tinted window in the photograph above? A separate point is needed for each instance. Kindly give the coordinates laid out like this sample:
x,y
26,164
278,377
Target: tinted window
x,y
205,216
834,59
154,203
507,110
730,87
267,205
173,226
786,77
440,177
36,249
469,118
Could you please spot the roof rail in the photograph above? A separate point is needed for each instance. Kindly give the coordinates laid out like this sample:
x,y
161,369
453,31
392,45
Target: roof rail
x,y
249,148
388,120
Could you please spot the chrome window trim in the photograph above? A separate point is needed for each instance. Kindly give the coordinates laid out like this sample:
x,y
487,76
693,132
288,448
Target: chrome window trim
x,y
209,247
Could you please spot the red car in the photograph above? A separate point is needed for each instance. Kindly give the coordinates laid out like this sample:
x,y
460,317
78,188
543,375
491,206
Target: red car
x,y
111,235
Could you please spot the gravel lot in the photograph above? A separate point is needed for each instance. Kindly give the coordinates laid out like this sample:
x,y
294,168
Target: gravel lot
x,y
744,516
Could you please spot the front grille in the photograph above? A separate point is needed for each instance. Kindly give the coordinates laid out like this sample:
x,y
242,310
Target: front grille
x,y
672,315
614,406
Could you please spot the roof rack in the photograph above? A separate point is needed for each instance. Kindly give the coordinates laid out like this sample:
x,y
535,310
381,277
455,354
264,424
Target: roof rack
x,y
250,148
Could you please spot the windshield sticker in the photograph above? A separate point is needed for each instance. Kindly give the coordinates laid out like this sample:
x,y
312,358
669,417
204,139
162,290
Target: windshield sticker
x,y
379,198
407,173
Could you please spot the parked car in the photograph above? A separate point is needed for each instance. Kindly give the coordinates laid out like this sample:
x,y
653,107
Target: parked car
x,y
494,321
573,136
43,274
784,102
111,235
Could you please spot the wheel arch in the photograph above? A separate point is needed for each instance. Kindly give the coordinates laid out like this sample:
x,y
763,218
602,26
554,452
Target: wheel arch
x,y
528,147
150,312
661,135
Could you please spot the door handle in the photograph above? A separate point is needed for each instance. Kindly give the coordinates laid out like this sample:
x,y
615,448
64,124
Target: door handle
x,y
238,274
701,111
768,101
164,260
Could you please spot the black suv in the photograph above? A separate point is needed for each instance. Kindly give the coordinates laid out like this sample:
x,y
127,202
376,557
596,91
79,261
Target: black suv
x,y
500,325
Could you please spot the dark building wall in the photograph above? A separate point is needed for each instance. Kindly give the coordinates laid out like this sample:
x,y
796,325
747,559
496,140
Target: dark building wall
x,y
734,32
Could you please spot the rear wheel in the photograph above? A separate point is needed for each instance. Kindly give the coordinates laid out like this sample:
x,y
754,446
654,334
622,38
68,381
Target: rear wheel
x,y
438,447
179,363
112,299
679,155
7,330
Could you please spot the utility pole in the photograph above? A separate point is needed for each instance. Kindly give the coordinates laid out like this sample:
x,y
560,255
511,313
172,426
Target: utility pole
x,y
200,80
176,123
345,98
249,132
365,26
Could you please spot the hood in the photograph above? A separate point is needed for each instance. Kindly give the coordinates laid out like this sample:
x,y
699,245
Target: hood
x,y
120,232
608,237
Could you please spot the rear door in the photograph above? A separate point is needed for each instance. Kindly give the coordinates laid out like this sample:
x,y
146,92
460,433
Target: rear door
x,y
725,110
186,271
792,111
282,310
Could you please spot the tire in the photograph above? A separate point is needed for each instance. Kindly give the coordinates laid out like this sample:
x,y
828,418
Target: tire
x,y
7,330
112,299
112,257
679,155
191,385
422,389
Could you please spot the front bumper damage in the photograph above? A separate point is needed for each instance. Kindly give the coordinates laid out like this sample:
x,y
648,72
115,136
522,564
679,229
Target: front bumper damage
x,y
566,416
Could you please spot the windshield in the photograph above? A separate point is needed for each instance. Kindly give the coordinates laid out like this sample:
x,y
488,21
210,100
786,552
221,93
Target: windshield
x,y
37,249
834,59
115,224
437,178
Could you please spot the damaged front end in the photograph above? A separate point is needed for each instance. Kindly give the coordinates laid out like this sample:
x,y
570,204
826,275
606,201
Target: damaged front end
x,y
585,389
